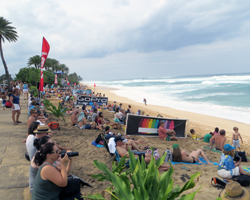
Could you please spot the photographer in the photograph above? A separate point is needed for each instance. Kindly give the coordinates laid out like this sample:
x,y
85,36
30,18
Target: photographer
x,y
49,177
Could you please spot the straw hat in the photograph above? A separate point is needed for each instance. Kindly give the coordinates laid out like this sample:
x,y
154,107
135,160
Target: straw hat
x,y
235,191
42,129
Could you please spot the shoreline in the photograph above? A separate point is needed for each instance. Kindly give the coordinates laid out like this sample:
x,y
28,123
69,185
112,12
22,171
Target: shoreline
x,y
203,124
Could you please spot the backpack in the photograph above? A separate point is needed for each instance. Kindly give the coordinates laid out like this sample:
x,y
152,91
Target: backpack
x,y
8,104
243,179
240,155
169,156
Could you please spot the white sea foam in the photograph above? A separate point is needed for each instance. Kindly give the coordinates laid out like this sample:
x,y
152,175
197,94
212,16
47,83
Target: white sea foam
x,y
184,93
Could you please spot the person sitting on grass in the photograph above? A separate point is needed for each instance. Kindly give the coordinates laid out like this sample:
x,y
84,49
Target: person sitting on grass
x,y
208,136
183,156
165,134
82,121
122,151
227,168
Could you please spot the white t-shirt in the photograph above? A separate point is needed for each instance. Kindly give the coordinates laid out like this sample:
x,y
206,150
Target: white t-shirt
x,y
31,149
17,87
112,145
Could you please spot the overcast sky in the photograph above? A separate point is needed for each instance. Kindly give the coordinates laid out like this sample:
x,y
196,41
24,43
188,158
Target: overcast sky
x,y
115,39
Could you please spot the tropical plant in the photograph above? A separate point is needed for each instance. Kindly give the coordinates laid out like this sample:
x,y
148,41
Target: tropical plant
x,y
47,103
57,111
9,33
33,90
144,183
35,60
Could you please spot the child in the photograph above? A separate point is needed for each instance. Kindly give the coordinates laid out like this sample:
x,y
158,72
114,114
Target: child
x,y
3,100
227,168
195,137
207,137
235,138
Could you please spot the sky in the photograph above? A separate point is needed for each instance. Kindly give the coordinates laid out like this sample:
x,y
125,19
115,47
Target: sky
x,y
125,39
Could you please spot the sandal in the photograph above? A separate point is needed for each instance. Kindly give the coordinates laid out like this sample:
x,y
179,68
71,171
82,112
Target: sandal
x,y
185,168
19,122
185,175
182,178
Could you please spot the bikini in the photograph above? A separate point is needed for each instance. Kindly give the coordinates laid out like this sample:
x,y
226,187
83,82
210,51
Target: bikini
x,y
193,159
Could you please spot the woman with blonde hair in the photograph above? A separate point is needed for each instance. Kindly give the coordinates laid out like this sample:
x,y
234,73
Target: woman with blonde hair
x,y
227,168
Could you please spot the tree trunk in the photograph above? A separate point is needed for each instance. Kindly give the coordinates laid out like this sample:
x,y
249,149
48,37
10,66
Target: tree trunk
x,y
4,63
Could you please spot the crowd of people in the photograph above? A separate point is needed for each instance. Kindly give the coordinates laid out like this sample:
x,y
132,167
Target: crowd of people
x,y
49,171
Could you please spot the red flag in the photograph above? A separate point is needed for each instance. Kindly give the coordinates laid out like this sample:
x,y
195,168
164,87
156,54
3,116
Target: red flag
x,y
75,83
45,52
56,82
66,78
94,85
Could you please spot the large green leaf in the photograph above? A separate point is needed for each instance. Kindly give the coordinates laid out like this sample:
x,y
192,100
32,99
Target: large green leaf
x,y
100,177
161,160
189,196
166,183
103,168
123,191
124,177
132,161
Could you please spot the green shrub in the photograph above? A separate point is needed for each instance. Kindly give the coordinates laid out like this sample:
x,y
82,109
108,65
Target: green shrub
x,y
145,182
33,90
56,111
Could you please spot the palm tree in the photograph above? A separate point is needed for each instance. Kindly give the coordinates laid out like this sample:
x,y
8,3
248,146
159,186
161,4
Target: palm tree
x,y
9,33
35,60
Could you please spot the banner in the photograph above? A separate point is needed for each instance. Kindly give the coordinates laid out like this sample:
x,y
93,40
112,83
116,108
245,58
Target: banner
x,y
87,100
45,52
56,82
148,126
84,92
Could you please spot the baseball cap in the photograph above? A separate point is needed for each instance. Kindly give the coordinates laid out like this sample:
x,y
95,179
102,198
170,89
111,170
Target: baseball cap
x,y
228,147
119,138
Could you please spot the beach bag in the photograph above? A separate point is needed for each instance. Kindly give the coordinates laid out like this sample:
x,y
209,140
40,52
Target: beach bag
x,y
169,156
8,104
72,190
243,179
54,125
155,154
218,183
240,154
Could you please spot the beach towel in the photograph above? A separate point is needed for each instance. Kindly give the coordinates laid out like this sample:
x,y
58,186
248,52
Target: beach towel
x,y
97,145
247,169
201,159
214,150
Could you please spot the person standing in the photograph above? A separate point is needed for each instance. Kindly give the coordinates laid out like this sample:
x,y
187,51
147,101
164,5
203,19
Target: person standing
x,y
145,101
3,100
25,90
16,108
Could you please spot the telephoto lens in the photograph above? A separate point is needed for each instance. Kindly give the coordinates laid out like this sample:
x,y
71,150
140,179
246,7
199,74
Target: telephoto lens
x,y
70,154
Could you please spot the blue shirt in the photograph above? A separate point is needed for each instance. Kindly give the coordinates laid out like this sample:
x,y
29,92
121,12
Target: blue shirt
x,y
93,108
227,163
81,116
25,86
15,99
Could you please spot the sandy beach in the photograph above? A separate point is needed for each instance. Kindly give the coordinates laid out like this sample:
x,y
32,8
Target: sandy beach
x,y
80,140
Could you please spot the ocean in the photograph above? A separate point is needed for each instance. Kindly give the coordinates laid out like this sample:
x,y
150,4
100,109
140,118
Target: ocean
x,y
223,96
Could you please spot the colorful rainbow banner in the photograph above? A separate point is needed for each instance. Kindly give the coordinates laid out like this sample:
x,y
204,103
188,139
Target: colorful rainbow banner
x,y
150,126
146,125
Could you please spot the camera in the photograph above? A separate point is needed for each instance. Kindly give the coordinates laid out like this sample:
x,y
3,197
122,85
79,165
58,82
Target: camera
x,y
70,154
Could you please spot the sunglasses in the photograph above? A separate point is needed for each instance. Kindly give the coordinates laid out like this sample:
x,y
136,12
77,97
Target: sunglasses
x,y
57,151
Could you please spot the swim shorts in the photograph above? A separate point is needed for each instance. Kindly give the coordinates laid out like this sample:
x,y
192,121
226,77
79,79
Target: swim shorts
x,y
236,143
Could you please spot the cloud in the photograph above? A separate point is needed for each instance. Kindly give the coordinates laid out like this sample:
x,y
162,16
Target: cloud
x,y
132,35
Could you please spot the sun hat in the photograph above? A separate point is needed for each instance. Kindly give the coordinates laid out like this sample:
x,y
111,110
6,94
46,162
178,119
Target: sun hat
x,y
235,191
42,129
228,147
175,146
